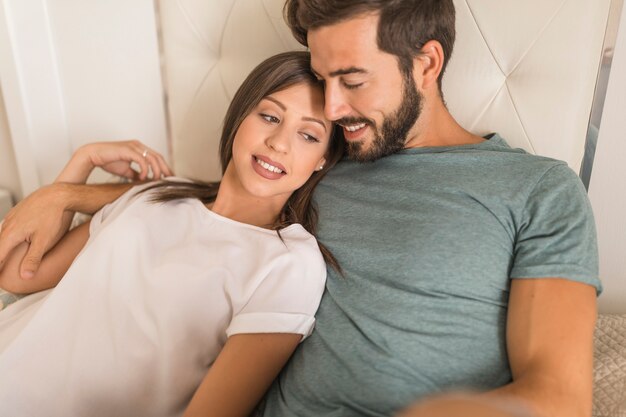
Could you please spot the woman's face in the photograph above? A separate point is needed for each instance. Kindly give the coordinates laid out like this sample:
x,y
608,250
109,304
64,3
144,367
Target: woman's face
x,y
282,142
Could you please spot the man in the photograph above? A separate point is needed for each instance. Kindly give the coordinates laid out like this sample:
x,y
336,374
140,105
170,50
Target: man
x,y
468,265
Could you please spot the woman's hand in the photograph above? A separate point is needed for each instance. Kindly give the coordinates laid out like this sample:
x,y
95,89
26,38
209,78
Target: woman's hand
x,y
116,158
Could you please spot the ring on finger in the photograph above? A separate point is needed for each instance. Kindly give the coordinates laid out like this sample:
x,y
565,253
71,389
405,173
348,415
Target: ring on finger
x,y
145,153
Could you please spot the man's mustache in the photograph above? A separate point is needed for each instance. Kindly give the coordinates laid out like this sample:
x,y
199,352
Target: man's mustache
x,y
344,121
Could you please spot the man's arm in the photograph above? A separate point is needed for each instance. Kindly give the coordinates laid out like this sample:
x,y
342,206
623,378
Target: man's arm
x,y
41,219
45,216
550,329
53,265
466,404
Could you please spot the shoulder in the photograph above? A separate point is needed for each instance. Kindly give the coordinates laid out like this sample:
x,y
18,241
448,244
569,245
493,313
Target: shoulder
x,y
515,165
139,201
302,248
293,266
557,180
299,258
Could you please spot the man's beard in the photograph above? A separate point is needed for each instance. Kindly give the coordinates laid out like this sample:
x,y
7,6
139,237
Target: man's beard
x,y
395,128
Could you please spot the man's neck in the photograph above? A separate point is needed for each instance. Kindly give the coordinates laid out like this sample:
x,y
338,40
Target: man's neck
x,y
437,127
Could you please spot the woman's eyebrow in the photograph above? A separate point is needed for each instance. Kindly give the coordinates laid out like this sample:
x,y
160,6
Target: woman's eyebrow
x,y
278,103
308,119
312,119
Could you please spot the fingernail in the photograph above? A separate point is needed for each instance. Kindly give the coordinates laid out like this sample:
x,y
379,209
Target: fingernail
x,y
28,274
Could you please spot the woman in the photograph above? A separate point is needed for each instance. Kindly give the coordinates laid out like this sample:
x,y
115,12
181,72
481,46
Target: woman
x,y
184,297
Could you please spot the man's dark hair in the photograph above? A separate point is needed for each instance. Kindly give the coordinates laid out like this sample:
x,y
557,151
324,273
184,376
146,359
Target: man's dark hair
x,y
404,26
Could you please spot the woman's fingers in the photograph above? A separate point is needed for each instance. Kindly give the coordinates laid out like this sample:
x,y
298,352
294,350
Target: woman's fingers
x,y
165,168
131,159
154,160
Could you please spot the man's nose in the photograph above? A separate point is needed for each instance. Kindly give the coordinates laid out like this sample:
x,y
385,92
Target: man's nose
x,y
336,105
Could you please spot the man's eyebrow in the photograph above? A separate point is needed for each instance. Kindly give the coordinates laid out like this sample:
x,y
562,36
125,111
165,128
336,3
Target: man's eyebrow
x,y
306,118
342,71
350,70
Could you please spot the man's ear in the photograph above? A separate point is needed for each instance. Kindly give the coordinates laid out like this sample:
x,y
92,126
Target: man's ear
x,y
427,65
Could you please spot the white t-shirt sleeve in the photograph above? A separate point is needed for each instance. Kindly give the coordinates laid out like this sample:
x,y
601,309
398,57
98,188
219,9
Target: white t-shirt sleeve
x,y
288,296
112,209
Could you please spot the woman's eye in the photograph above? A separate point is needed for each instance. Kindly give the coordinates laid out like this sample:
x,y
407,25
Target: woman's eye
x,y
309,138
269,118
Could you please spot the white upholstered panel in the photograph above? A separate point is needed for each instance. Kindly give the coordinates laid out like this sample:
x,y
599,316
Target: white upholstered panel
x,y
209,48
526,69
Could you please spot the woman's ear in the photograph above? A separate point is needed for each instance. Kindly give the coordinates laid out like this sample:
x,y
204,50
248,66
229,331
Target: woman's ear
x,y
321,163
427,65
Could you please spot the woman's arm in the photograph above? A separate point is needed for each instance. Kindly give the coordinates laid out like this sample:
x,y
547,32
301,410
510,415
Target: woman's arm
x,y
53,266
241,374
41,219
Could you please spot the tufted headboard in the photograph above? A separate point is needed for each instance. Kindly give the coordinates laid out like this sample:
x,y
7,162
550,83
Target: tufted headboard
x,y
526,69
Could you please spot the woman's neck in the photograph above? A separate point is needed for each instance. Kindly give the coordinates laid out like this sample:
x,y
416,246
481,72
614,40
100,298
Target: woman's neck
x,y
249,213
234,202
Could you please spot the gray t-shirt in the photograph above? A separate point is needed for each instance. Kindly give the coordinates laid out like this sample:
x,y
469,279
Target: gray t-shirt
x,y
429,239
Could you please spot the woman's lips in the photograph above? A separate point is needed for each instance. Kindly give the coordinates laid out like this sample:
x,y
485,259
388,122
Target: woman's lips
x,y
267,168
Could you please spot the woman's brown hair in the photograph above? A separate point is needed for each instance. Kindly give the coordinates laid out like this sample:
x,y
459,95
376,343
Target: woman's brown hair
x,y
274,74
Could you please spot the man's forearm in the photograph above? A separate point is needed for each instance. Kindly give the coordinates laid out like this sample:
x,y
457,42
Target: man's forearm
x,y
522,393
543,398
90,198
43,218
467,404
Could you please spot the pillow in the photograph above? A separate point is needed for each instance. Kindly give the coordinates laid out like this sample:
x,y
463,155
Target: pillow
x,y
609,391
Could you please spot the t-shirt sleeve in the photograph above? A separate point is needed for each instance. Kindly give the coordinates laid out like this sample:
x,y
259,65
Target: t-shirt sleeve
x,y
111,210
287,298
557,234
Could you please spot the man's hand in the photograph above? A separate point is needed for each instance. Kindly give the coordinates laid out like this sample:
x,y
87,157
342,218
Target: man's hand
x,y
466,405
44,217
41,220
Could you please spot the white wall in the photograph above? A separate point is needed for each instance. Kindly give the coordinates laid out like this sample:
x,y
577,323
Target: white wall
x,y
8,170
76,71
607,189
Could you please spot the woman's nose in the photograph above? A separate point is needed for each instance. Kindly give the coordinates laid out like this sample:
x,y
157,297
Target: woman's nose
x,y
279,140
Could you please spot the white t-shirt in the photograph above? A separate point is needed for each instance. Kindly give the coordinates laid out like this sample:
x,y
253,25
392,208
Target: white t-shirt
x,y
148,304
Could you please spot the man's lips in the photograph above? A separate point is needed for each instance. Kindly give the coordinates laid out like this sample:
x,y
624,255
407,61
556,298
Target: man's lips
x,y
354,131
355,126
